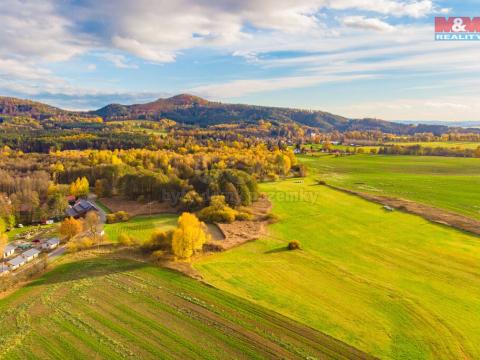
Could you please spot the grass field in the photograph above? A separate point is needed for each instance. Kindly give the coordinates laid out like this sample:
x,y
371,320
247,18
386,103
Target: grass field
x,y
115,309
102,206
444,144
30,228
431,144
389,283
446,183
141,227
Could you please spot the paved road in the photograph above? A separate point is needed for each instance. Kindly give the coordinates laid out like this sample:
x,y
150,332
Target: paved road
x,y
103,215
57,252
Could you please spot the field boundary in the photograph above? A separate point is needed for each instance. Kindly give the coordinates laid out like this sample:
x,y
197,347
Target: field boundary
x,y
429,213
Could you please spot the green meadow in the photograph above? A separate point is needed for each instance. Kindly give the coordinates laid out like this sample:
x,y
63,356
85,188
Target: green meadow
x,y
117,309
444,182
141,227
389,283
443,144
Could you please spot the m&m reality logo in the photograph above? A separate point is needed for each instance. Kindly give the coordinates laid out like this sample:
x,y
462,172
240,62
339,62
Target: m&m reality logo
x,y
457,29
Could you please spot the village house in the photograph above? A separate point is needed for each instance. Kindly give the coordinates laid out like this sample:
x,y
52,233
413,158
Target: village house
x,y
80,209
15,263
51,244
4,269
31,254
9,251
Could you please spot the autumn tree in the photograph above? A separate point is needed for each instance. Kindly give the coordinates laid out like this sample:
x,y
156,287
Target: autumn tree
x,y
3,242
57,203
231,195
92,225
159,240
189,236
80,187
101,188
218,211
70,227
191,201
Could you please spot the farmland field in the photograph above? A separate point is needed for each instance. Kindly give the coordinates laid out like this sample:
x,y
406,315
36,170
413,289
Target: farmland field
x,y
447,183
429,144
389,283
444,144
106,308
141,227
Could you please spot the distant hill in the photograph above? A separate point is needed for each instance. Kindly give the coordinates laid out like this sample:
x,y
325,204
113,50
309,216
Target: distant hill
x,y
193,110
18,107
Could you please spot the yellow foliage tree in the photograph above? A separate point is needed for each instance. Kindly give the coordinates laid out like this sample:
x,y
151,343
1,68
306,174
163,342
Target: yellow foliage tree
x,y
70,227
80,187
189,236
3,243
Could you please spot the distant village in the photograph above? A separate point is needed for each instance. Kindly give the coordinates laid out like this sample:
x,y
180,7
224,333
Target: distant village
x,y
19,253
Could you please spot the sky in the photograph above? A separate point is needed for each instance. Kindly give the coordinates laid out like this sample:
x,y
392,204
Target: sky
x,y
356,58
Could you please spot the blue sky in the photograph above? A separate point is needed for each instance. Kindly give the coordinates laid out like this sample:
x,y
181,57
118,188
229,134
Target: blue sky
x,y
357,58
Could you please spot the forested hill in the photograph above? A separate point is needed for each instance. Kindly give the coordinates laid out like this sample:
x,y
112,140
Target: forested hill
x,y
193,110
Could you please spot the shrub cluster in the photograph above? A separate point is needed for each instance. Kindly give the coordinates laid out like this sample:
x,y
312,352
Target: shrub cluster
x,y
119,216
220,212
293,245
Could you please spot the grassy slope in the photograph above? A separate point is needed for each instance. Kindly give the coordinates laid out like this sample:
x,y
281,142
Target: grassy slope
x,y
141,227
391,284
448,183
112,309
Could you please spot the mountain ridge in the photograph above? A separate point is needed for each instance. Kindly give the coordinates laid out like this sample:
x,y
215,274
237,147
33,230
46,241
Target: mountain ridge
x,y
193,110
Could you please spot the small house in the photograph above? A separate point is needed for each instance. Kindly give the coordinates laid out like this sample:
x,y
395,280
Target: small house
x,y
9,251
80,209
15,263
31,254
71,199
4,269
51,244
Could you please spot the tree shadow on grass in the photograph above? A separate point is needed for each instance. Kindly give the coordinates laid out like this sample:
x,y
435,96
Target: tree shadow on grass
x,y
88,268
277,250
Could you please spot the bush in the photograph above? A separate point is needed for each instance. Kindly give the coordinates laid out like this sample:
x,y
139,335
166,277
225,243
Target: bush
x,y
191,201
272,218
293,245
125,240
78,244
159,240
300,169
72,246
212,214
158,255
85,243
119,216
122,216
243,216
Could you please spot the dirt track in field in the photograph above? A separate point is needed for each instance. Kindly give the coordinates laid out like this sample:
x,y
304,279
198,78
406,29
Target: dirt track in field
x,y
430,213
135,208
227,236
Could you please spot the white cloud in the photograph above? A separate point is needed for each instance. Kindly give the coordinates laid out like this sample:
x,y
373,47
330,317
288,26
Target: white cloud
x,y
237,88
35,35
412,8
362,22
119,61
33,30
